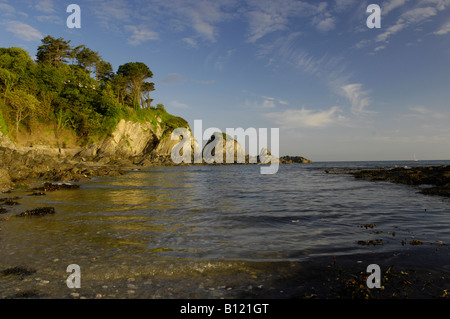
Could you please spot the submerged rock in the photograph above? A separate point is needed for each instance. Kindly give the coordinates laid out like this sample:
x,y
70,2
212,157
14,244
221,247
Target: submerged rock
x,y
38,212
18,271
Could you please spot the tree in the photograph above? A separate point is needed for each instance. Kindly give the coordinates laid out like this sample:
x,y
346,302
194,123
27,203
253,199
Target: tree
x,y
7,80
135,74
16,69
87,58
104,71
22,105
74,52
147,87
53,51
161,107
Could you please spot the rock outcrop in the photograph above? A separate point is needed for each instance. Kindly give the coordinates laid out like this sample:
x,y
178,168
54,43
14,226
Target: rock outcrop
x,y
230,148
131,140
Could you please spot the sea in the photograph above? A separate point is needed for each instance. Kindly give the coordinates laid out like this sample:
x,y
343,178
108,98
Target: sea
x,y
212,231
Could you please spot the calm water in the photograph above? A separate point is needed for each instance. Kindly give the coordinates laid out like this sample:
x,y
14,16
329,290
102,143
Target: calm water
x,y
208,231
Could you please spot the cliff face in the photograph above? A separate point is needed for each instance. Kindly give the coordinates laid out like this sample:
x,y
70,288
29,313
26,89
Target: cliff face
x,y
131,139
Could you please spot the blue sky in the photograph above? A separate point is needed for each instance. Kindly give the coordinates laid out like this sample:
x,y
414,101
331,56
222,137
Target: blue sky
x,y
336,89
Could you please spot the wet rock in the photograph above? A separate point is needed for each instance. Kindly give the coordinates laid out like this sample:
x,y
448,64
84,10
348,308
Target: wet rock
x,y
374,242
438,177
18,271
9,201
50,187
38,212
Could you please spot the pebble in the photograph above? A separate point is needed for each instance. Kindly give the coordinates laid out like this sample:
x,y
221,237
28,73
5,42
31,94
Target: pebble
x,y
130,292
75,294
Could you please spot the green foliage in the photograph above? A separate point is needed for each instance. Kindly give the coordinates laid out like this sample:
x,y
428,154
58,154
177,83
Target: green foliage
x,y
73,88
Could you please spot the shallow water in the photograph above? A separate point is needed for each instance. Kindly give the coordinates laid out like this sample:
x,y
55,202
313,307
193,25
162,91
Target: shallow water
x,y
208,231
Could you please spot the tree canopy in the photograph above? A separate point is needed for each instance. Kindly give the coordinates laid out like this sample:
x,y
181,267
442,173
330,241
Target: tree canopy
x,y
73,88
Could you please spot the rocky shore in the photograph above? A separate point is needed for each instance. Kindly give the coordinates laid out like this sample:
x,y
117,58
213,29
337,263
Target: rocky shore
x,y
429,180
132,145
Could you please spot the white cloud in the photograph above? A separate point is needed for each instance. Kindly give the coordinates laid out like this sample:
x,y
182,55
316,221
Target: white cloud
x,y
262,23
390,5
45,6
326,24
390,31
358,98
444,29
113,14
200,16
265,102
6,8
140,34
408,18
23,31
425,113
191,42
293,119
267,16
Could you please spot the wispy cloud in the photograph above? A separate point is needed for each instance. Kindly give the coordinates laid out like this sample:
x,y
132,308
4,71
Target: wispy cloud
x,y
304,118
140,34
265,16
264,102
358,98
444,29
390,5
6,8
414,16
191,42
22,30
45,6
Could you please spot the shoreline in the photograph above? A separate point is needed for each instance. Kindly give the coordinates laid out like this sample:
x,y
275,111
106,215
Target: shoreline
x,y
22,166
430,180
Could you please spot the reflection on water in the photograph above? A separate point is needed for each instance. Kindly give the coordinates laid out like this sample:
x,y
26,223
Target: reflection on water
x,y
183,228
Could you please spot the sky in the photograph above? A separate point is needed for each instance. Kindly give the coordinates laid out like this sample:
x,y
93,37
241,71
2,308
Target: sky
x,y
336,89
